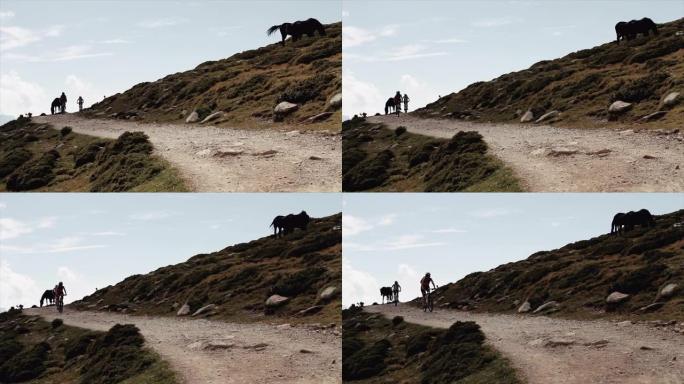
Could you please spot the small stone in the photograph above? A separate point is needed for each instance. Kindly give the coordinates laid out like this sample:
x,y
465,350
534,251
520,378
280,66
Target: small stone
x,y
193,117
527,117
525,307
616,297
669,290
336,100
184,310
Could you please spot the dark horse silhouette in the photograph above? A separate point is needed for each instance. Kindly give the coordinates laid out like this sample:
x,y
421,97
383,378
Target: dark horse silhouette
x,y
56,106
629,30
49,296
386,292
298,29
282,225
627,221
390,107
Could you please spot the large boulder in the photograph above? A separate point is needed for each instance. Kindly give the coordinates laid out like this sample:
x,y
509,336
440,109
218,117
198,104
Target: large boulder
x,y
213,116
205,309
619,106
328,293
548,116
285,107
276,301
184,310
616,297
336,100
669,290
527,117
671,99
193,117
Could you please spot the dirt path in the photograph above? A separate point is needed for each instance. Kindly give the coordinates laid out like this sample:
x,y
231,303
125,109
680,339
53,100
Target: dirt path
x,y
551,159
601,352
182,343
213,159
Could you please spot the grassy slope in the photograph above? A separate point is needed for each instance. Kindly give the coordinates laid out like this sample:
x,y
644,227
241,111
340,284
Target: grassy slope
x,y
375,350
579,276
240,278
377,159
63,364
246,86
141,173
583,84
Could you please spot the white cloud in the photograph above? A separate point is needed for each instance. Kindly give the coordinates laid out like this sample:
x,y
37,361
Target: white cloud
x,y
355,36
353,225
394,244
64,244
14,37
449,230
162,22
4,15
3,205
18,96
345,13
76,284
358,285
492,212
46,222
16,288
360,96
152,215
107,233
495,22
401,53
11,228
454,40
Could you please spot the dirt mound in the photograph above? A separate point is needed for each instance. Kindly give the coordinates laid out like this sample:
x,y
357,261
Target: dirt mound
x,y
576,280
234,283
245,87
582,85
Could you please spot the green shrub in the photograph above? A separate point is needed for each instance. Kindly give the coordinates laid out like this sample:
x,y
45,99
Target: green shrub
x,y
369,173
12,160
419,343
396,320
25,365
79,346
308,89
299,282
366,363
65,131
34,174
643,88
399,131
639,279
56,323
88,153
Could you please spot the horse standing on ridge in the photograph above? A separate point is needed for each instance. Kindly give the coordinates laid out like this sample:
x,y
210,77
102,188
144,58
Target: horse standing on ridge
x,y
48,296
630,30
297,29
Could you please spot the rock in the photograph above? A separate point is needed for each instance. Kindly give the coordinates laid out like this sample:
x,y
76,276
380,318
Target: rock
x,y
204,153
193,117
268,153
627,132
616,297
619,107
292,133
671,99
600,153
525,307
315,158
551,305
336,100
527,117
184,310
548,116
276,301
284,326
218,344
625,323
310,310
562,151
559,342
205,309
213,116
285,107
540,152
645,348
228,153
652,307
305,351
328,293
256,347
597,344
669,290
649,157
654,116
319,117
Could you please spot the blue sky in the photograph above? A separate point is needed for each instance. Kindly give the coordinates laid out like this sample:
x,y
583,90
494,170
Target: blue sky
x,y
432,48
89,241
401,236
98,48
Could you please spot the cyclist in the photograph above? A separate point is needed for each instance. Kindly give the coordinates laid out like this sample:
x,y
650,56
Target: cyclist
x,y
60,292
80,103
406,101
396,288
425,286
397,102
63,100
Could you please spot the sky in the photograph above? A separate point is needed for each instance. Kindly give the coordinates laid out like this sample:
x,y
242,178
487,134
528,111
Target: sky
x,y
401,236
89,241
432,48
99,48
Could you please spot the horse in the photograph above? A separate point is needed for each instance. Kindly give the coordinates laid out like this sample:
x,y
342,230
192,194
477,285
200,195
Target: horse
x,y
282,225
390,106
48,295
277,225
629,30
616,224
386,292
56,105
297,29
627,221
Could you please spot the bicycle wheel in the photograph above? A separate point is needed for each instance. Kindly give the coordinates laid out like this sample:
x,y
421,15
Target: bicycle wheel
x,y
430,304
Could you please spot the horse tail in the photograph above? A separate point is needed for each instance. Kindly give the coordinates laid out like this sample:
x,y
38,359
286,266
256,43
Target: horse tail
x,y
271,30
272,223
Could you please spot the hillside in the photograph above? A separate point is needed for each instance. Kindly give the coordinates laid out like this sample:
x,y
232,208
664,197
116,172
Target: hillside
x,y
376,158
377,350
246,87
578,278
236,282
582,85
33,350
40,157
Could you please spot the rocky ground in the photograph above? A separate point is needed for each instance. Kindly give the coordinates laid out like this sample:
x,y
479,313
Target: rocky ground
x,y
213,159
213,352
552,159
550,350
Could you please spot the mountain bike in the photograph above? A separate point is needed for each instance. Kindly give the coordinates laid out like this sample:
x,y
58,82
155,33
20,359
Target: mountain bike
x,y
59,302
428,305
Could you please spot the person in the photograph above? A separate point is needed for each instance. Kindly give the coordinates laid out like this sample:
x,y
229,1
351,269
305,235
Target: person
x,y
425,285
397,102
80,103
406,100
396,288
63,99
60,292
